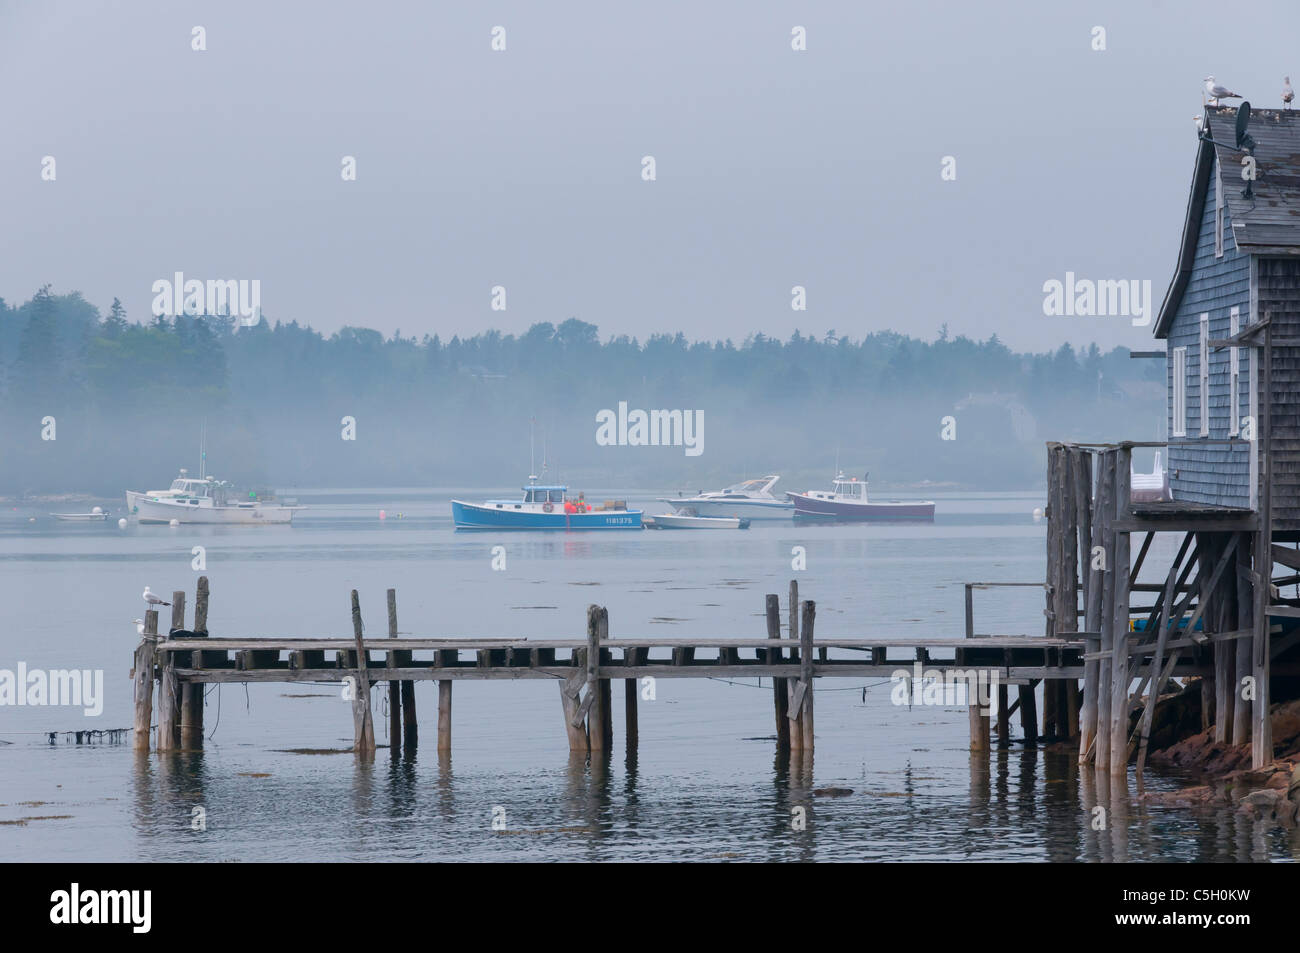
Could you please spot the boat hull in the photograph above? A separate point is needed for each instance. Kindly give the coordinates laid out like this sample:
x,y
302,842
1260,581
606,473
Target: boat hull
x,y
667,521
811,507
749,509
148,510
506,517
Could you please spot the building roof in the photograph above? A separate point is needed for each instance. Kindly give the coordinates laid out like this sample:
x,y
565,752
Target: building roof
x,y
1266,223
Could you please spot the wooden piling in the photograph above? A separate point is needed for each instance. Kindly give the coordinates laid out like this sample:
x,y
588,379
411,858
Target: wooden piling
x,y
606,686
570,692
1091,531
1244,661
192,692
444,715
1261,725
794,700
362,723
1225,652
1119,701
630,713
169,687
410,723
809,616
1104,506
780,693
142,678
596,712
1004,716
1028,713
394,687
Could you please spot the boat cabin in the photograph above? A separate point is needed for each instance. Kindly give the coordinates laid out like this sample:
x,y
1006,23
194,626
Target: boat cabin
x,y
849,488
544,494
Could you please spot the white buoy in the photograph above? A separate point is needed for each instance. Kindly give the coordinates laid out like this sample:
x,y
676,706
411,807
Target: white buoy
x,y
383,515
121,523
97,510
1038,514
174,522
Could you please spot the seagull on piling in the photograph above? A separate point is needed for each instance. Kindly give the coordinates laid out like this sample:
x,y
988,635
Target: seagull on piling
x,y
152,599
1288,93
1217,92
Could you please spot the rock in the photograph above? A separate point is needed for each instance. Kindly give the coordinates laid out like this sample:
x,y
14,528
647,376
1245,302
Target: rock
x,y
1293,789
1260,804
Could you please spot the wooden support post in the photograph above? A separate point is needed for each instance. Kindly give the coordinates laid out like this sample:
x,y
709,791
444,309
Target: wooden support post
x,y
1004,717
444,715
1157,672
806,671
362,723
1104,514
410,724
1244,661
142,678
629,713
1028,713
1120,619
1225,652
794,700
169,688
394,688
596,710
192,692
570,690
780,693
1261,727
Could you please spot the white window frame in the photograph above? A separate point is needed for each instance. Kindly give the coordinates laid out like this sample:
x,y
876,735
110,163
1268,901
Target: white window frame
x,y
1234,375
1203,377
1178,426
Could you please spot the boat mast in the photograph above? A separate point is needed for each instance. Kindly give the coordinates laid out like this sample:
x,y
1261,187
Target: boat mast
x,y
203,449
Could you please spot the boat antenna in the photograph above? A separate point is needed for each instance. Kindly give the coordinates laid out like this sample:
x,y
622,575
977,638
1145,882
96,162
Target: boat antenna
x,y
532,455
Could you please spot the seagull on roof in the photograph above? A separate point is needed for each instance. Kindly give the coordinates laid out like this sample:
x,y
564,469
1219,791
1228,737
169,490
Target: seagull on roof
x,y
1288,93
152,598
1217,92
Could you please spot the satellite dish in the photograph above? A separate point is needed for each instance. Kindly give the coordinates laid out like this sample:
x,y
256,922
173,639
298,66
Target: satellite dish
x,y
1244,140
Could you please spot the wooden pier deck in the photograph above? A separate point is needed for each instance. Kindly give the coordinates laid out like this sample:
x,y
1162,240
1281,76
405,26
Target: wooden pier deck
x,y
182,661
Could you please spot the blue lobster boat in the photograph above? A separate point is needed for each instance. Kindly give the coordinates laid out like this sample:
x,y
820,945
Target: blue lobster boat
x,y
543,507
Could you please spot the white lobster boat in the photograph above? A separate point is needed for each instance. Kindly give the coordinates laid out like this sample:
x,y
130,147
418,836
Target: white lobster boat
x,y
206,500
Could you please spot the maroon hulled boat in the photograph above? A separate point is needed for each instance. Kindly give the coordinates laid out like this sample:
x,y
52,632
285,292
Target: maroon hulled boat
x,y
847,500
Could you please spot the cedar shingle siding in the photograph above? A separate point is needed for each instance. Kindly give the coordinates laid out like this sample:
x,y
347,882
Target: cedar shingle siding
x,y
1260,232
1214,473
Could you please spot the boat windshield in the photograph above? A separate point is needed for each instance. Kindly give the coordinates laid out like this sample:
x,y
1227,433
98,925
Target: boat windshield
x,y
544,495
851,489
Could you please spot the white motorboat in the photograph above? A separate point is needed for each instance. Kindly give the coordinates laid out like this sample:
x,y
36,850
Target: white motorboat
x,y
206,500
686,518
749,498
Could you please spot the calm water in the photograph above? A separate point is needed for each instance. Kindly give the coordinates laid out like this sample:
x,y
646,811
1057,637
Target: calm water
x,y
704,784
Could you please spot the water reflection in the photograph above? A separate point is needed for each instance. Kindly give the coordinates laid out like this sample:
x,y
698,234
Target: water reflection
x,y
1017,803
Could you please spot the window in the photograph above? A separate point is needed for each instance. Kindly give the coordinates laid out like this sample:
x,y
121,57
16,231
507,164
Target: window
x,y
1234,376
1179,409
1204,377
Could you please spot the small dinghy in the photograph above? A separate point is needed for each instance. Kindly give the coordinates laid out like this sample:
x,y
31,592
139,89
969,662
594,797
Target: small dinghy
x,y
96,514
686,518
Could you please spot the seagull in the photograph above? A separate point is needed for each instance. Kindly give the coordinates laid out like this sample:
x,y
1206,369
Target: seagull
x,y
153,599
1288,93
139,626
1217,92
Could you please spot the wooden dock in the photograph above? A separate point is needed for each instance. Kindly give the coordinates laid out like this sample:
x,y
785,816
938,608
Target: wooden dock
x,y
184,660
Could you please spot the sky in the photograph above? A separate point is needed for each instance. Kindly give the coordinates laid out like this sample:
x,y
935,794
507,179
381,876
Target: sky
x,y
523,168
